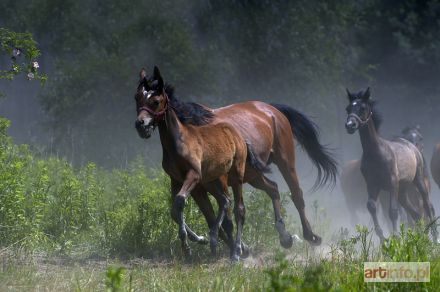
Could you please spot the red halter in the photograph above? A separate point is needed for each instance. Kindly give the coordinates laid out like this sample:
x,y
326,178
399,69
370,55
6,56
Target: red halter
x,y
158,116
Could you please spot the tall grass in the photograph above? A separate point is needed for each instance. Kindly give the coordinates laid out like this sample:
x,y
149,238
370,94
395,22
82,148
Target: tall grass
x,y
48,205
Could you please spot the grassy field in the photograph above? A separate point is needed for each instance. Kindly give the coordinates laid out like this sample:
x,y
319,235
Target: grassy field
x,y
335,267
89,229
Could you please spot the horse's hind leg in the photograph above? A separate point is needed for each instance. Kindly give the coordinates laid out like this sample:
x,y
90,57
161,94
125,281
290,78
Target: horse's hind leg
x,y
288,171
394,208
239,213
219,189
412,213
201,198
263,183
429,208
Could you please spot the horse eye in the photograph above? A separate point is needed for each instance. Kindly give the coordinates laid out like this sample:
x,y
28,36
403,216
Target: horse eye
x,y
155,103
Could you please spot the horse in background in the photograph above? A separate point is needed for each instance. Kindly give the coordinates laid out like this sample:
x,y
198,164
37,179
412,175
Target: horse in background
x,y
354,187
435,165
387,165
270,130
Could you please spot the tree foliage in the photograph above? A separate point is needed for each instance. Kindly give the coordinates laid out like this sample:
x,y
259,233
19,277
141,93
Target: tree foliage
x,y
22,49
299,52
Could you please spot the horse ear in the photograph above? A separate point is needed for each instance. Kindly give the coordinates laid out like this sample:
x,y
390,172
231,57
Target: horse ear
x,y
158,77
143,74
366,94
349,95
405,130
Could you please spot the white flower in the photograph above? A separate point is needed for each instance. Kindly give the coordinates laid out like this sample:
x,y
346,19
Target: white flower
x,y
35,65
16,52
30,76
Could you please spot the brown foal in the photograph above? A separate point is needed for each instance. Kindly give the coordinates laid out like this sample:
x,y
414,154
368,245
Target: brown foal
x,y
212,155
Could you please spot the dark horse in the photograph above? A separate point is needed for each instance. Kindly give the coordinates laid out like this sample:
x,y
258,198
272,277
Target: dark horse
x,y
354,188
386,165
268,130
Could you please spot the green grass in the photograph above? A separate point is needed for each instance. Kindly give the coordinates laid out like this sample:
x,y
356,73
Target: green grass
x,y
340,268
91,229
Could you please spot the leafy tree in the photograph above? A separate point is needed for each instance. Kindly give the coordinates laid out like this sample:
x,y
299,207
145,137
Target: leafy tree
x,y
23,52
298,52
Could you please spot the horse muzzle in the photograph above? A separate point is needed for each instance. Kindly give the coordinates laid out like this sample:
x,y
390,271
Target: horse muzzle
x,y
351,125
144,129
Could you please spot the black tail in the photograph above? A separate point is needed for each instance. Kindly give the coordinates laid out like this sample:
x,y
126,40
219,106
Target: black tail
x,y
254,161
306,133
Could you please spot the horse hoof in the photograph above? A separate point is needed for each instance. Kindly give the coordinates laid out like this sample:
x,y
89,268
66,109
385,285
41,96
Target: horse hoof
x,y
314,240
286,241
245,251
235,258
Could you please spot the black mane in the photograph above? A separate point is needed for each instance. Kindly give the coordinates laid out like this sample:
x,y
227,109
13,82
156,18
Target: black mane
x,y
188,112
376,116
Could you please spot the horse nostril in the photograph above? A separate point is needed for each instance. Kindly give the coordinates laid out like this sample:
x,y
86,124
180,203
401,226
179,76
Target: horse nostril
x,y
141,122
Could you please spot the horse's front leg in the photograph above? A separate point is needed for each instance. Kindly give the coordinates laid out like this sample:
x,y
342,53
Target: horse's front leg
x,y
373,193
175,188
191,180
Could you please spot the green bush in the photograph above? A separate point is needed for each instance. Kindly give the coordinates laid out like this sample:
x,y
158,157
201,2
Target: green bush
x,y
46,204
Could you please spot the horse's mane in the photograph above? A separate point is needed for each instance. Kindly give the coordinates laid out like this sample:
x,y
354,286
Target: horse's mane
x,y
188,112
376,116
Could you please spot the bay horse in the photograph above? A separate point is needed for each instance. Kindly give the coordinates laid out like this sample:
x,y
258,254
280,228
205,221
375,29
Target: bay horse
x,y
354,188
212,155
268,129
435,165
386,165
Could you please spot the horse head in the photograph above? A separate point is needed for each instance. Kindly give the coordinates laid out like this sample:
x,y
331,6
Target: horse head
x,y
151,102
413,135
359,110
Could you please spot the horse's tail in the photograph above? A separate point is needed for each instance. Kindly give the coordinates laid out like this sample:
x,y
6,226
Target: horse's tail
x,y
254,161
306,133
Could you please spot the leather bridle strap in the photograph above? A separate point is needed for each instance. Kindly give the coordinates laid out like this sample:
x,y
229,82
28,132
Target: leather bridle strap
x,y
158,116
360,121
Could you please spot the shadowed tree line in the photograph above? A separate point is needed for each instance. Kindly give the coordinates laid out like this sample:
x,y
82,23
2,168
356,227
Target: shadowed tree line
x,y
302,53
